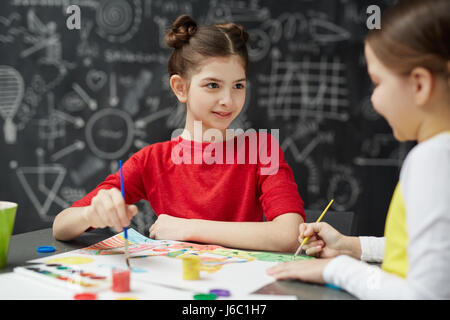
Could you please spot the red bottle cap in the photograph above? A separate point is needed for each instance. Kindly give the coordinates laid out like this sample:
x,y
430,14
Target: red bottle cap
x,y
85,296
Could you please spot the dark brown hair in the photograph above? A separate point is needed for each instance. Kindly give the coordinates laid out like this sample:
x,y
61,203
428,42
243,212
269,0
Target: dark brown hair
x,y
193,43
414,33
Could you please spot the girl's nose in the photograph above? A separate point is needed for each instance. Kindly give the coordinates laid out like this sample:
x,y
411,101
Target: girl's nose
x,y
226,99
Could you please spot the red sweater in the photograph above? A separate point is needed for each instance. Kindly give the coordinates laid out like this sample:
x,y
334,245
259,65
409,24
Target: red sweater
x,y
235,190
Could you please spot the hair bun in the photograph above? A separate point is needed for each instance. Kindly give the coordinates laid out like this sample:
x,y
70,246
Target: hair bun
x,y
181,30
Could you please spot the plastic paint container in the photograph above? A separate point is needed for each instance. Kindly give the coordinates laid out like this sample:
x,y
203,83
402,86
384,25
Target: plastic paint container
x,y
121,280
191,268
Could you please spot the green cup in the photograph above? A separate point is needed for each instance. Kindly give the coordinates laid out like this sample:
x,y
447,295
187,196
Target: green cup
x,y
7,217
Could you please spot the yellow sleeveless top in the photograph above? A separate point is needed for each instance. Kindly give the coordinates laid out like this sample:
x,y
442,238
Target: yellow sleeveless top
x,y
395,252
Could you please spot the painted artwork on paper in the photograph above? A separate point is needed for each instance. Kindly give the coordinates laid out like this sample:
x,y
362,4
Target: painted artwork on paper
x,y
213,257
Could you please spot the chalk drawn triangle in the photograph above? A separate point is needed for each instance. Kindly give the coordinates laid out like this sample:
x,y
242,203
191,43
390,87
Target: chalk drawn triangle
x,y
25,173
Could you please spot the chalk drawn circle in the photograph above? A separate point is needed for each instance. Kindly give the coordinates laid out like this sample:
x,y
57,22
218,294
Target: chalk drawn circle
x,y
114,17
72,102
109,133
258,44
344,188
118,20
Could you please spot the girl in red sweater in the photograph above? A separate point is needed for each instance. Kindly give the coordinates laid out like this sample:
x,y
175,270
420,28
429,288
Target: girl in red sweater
x,y
208,184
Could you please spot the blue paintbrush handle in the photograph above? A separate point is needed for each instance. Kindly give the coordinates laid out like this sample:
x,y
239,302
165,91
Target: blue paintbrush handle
x,y
122,189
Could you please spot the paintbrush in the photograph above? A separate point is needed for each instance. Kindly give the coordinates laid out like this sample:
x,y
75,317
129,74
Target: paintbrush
x,y
307,238
125,229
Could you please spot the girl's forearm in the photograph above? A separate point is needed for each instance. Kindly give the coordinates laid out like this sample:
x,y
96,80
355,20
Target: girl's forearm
x,y
70,223
277,235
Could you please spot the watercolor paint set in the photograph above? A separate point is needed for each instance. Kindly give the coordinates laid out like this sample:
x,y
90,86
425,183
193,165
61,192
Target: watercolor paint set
x,y
66,277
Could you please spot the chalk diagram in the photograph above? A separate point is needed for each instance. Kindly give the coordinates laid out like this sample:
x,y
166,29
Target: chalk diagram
x,y
108,131
342,185
42,182
314,29
11,95
381,150
305,89
44,37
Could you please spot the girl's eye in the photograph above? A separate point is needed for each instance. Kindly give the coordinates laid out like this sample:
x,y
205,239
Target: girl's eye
x,y
212,85
239,86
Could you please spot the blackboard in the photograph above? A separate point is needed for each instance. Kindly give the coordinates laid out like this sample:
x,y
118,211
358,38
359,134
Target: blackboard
x,y
73,102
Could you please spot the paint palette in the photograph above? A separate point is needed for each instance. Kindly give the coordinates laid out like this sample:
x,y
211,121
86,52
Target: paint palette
x,y
66,277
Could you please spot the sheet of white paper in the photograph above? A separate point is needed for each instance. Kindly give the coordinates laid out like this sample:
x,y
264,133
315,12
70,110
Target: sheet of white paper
x,y
239,278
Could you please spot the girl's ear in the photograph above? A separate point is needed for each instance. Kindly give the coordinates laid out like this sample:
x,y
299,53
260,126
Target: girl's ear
x,y
179,87
422,82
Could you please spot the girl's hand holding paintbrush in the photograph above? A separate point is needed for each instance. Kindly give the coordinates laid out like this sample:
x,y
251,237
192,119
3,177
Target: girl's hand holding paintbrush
x,y
108,209
326,242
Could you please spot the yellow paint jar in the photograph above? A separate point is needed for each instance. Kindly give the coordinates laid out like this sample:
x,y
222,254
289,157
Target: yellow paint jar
x,y
191,268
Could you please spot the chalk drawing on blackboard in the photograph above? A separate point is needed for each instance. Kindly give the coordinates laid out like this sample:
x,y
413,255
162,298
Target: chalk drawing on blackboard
x,y
113,97
300,156
344,189
118,20
325,31
311,89
96,79
91,103
44,37
258,44
303,155
34,93
144,121
52,127
135,94
77,122
244,12
177,118
11,95
379,150
86,49
90,166
11,31
109,133
77,145
163,24
153,102
42,184
72,194
293,24
72,102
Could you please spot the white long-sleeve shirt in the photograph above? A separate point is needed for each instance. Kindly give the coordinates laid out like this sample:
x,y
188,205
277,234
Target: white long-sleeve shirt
x,y
425,182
